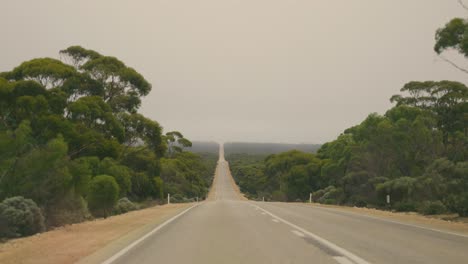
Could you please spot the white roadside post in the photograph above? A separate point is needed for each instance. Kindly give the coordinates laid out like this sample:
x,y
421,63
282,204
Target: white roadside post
x,y
263,198
388,200
310,198
168,198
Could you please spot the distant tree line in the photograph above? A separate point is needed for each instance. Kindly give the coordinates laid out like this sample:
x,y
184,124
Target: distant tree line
x,y
204,147
417,152
266,148
73,145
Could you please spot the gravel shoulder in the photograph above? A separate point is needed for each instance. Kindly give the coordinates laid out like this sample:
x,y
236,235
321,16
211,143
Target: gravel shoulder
x,y
96,240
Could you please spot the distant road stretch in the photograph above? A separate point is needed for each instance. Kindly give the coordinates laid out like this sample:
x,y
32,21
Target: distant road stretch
x,y
227,229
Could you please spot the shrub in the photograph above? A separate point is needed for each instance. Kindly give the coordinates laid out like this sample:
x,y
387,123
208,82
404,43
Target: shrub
x,y
458,203
405,206
177,198
69,209
124,205
329,195
20,217
358,201
317,195
432,208
103,195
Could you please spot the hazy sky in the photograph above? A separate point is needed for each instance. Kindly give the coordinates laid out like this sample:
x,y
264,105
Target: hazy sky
x,y
246,70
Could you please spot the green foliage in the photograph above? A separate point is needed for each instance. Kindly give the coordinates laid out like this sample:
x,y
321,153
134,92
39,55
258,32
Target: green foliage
x,y
103,195
288,176
124,205
68,209
405,206
120,173
176,143
416,153
187,175
454,35
40,173
46,71
329,195
20,217
432,208
63,124
260,149
159,187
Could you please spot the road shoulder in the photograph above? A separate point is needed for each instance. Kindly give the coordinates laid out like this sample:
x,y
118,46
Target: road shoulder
x,y
414,219
88,242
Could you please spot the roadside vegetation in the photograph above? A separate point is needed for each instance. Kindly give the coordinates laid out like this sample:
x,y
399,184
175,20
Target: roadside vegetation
x,y
417,152
73,145
266,148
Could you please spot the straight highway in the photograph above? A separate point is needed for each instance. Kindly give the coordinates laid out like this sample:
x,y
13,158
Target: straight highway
x,y
228,229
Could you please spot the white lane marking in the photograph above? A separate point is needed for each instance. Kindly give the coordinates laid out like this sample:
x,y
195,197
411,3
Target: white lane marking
x,y
394,222
156,229
275,220
342,260
342,251
297,233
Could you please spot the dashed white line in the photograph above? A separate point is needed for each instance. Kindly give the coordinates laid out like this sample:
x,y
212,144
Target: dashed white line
x,y
345,253
297,233
275,220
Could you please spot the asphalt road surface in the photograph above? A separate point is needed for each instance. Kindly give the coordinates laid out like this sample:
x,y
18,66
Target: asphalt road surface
x,y
228,229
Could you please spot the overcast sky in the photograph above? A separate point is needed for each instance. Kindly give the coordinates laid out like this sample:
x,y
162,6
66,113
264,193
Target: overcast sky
x,y
246,70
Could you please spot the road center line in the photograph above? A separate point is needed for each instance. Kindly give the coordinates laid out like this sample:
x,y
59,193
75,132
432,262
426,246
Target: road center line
x,y
156,229
350,256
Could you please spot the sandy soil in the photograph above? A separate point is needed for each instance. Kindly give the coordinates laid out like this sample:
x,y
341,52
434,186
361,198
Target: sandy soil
x,y
435,222
71,243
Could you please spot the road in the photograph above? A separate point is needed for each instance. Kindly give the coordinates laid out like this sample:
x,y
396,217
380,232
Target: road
x,y
227,229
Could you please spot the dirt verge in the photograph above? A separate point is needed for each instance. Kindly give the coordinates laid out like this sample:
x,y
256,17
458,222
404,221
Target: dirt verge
x,y
71,243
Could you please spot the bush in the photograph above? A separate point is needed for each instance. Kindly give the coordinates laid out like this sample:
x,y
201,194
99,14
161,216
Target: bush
x,y
432,208
20,217
317,195
124,205
178,198
405,206
103,195
69,209
458,203
358,201
329,195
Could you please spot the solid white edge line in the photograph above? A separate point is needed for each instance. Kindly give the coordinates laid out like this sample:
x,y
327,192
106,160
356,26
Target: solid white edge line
x,y
393,221
138,241
297,233
325,242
